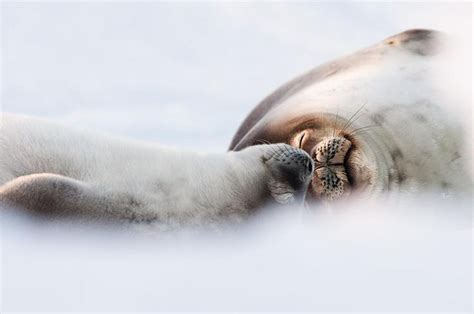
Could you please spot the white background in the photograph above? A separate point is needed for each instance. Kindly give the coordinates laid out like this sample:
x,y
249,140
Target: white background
x,y
184,74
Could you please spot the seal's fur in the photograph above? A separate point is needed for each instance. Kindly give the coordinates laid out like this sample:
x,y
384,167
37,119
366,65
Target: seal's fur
x,y
384,99
49,168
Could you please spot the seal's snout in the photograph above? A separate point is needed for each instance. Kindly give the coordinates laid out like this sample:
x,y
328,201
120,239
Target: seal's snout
x,y
291,171
331,150
330,181
297,166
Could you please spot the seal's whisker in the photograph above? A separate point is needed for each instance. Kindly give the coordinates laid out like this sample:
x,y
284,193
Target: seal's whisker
x,y
349,125
289,150
364,128
359,132
350,121
285,148
274,150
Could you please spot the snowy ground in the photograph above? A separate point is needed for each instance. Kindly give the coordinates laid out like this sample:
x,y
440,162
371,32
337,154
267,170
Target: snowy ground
x,y
186,75
410,257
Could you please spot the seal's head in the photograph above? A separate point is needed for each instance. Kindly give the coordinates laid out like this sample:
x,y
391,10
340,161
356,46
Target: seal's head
x,y
343,165
365,119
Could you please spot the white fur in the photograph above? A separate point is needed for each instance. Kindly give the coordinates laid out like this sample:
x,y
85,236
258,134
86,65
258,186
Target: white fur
x,y
153,182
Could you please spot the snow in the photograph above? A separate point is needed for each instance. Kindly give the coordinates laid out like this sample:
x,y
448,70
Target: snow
x,y
414,256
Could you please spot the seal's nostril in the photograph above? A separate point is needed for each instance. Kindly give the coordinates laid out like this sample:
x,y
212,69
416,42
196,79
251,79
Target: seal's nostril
x,y
310,166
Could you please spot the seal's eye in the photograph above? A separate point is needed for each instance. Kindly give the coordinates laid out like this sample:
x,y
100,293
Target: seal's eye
x,y
300,142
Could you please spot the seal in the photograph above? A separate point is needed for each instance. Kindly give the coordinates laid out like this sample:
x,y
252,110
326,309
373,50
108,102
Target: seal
x,y
58,171
373,122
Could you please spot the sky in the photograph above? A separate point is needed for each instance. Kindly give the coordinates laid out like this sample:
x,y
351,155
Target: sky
x,y
182,74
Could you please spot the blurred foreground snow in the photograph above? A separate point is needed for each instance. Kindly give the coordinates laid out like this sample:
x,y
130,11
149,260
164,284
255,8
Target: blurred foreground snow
x,y
358,257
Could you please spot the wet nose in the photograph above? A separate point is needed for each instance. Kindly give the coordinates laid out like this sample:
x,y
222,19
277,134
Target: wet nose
x,y
331,150
297,166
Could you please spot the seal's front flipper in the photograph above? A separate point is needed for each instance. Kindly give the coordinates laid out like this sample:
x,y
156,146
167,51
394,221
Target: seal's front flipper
x,y
48,194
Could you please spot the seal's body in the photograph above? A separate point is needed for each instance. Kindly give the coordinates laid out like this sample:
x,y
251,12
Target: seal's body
x,y
49,168
374,121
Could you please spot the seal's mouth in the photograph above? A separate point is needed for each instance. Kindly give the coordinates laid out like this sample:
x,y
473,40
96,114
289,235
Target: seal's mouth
x,y
348,165
330,181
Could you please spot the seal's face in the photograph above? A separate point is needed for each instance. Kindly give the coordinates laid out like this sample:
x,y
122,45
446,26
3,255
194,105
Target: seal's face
x,y
342,163
341,167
